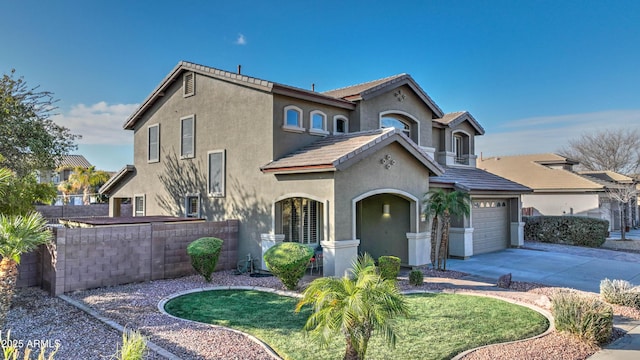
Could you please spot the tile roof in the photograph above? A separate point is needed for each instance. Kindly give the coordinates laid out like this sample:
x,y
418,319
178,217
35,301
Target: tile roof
x,y
335,152
530,170
353,90
609,176
115,179
74,161
473,179
456,118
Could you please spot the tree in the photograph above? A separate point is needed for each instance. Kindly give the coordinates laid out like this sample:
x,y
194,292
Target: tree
x,y
624,195
18,235
613,150
87,179
354,307
66,188
440,207
22,193
29,139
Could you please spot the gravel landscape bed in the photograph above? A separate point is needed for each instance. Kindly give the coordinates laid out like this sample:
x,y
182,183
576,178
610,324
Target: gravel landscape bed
x,y
35,315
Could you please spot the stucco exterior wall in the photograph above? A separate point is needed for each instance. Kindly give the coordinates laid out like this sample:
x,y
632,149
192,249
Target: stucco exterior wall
x,y
406,175
562,204
369,112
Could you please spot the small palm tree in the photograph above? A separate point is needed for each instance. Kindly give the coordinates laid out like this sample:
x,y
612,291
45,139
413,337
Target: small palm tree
x,y
87,179
354,306
441,206
18,235
66,188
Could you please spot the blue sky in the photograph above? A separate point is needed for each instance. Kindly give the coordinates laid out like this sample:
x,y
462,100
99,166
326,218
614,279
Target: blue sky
x,y
533,73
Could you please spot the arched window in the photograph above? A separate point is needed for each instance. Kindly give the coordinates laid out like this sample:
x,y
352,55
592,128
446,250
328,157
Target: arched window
x,y
340,124
293,118
318,123
461,147
388,121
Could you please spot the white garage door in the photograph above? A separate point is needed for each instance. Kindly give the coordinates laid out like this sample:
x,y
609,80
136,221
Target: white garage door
x,y
490,225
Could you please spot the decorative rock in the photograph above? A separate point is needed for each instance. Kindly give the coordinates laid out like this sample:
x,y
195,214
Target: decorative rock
x,y
504,281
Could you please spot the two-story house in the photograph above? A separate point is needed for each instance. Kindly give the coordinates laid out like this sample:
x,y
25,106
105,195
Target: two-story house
x,y
344,170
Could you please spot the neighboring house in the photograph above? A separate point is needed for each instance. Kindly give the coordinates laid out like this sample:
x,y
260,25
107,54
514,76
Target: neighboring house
x,y
63,170
557,188
346,170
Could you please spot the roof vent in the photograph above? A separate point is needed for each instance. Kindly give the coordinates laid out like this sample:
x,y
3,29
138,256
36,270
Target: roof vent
x,y
239,69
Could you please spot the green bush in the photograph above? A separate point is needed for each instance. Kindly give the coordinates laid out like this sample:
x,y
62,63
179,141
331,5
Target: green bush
x,y
288,261
416,278
620,292
389,267
569,230
204,254
134,346
588,318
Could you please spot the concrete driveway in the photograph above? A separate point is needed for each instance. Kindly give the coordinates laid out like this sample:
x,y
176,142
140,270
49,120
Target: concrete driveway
x,y
556,265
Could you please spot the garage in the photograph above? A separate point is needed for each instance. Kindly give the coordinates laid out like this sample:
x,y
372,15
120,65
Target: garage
x,y
490,222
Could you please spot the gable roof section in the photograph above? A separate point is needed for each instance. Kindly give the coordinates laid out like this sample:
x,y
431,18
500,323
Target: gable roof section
x,y
243,80
373,88
116,179
530,170
456,118
73,161
472,179
608,176
338,152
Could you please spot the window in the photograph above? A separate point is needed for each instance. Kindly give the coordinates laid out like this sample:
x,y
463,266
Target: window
x,y
138,205
460,148
189,84
340,125
388,122
216,173
318,123
302,220
293,119
187,136
192,206
153,154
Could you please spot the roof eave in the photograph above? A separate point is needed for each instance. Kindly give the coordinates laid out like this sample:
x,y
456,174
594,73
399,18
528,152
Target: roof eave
x,y
397,82
312,96
115,179
299,169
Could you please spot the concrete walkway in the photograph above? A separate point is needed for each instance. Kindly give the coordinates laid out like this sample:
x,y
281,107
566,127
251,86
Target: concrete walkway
x,y
564,266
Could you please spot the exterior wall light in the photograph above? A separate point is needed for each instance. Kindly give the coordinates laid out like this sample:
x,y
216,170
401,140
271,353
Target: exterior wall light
x,y
386,210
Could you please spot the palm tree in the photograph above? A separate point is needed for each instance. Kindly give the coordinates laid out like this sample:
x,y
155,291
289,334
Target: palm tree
x,y
441,206
354,306
18,235
66,188
87,179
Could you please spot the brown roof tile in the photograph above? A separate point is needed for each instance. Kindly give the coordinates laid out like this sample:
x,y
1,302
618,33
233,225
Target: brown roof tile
x,y
474,179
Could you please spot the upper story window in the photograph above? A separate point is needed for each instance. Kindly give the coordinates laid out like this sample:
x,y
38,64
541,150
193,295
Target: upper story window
x,y
293,119
318,123
340,124
460,147
188,84
153,145
216,161
393,122
187,136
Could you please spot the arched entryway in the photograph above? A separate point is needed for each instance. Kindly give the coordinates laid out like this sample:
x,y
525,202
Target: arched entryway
x,y
382,223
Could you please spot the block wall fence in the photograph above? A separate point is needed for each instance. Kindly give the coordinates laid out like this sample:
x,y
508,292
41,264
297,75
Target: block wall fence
x,y
84,258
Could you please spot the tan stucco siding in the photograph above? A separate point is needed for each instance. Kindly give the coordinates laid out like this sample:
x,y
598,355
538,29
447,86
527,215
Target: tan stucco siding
x,y
369,112
288,141
407,175
465,127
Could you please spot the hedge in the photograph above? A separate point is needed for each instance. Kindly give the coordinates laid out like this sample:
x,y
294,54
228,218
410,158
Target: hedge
x,y
204,254
389,267
288,262
569,230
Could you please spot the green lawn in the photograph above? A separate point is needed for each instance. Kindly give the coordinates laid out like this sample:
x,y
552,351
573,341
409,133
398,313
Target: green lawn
x,y
441,326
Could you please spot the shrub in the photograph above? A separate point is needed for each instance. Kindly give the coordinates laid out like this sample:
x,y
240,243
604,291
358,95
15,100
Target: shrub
x,y
204,254
416,277
620,292
134,346
389,267
570,230
588,318
288,261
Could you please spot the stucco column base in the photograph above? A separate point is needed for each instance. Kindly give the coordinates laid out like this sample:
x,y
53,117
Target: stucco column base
x,y
338,256
419,248
267,241
461,242
517,234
